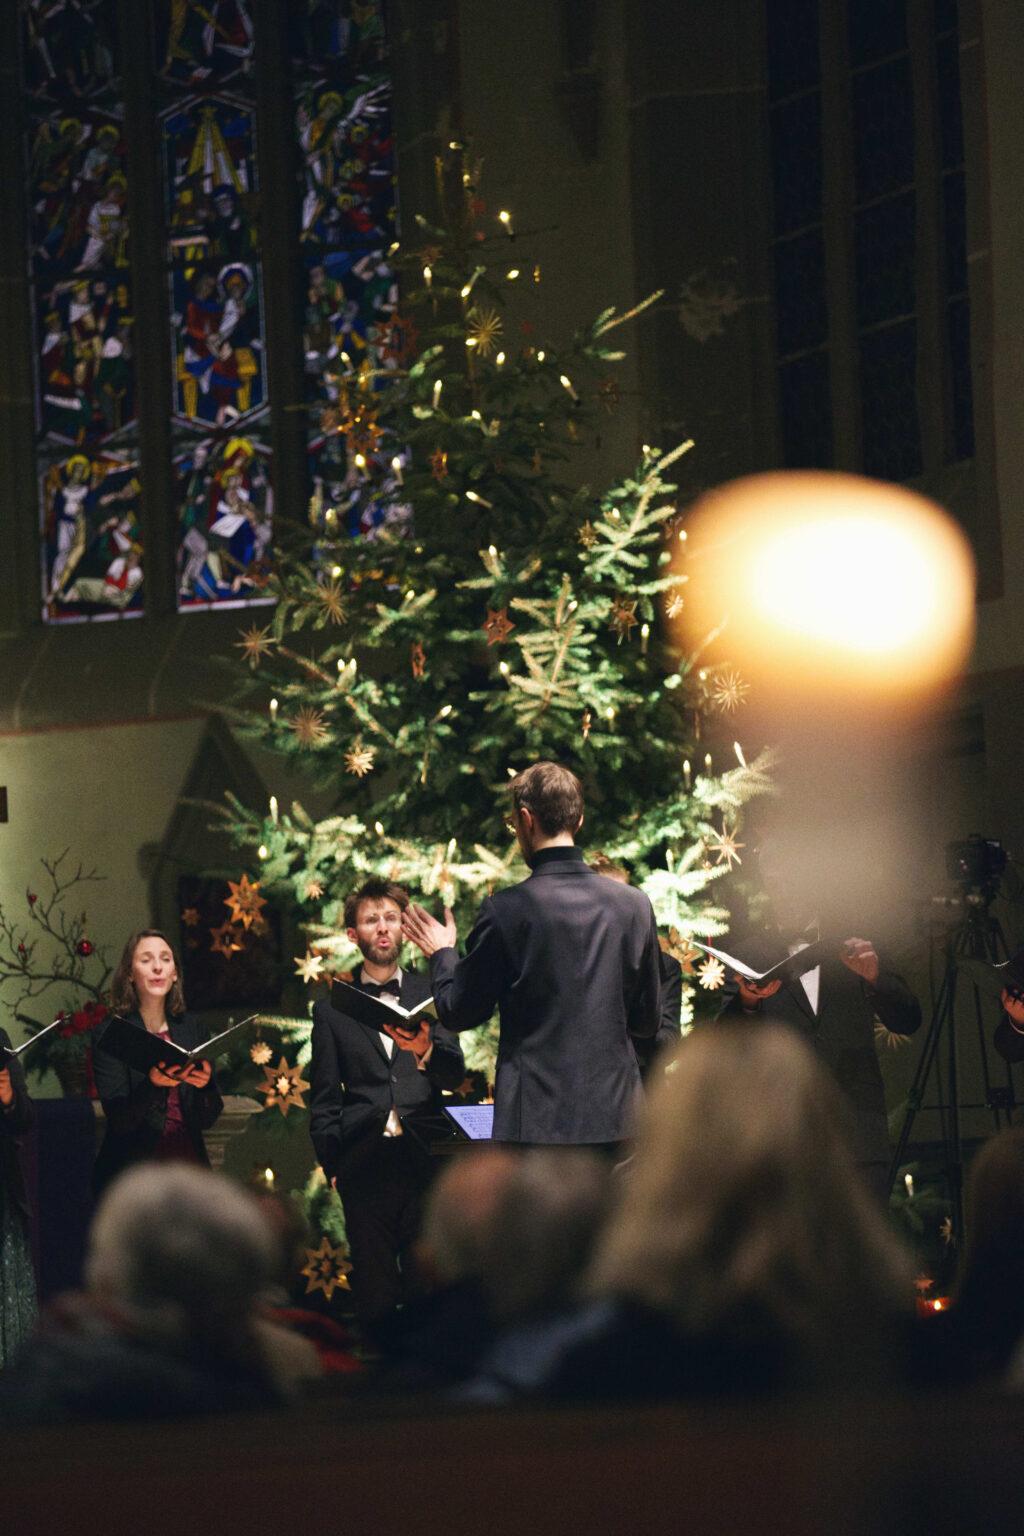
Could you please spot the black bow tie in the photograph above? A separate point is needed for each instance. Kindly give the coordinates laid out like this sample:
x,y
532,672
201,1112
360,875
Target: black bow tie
x,y
381,988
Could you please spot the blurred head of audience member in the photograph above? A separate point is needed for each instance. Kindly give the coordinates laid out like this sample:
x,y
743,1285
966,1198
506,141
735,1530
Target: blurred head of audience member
x,y
744,1254
169,1324
459,1216
988,1311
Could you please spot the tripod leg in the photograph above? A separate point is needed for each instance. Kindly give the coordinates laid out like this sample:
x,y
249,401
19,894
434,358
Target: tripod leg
x,y
926,1060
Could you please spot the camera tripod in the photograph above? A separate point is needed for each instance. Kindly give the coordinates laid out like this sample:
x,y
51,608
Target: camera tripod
x,y
978,936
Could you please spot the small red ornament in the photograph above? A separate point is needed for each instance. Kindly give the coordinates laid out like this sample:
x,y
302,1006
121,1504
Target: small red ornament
x,y
32,898
83,948
22,950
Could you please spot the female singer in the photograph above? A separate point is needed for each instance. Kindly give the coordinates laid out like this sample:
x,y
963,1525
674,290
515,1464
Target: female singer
x,y
17,1280
161,1114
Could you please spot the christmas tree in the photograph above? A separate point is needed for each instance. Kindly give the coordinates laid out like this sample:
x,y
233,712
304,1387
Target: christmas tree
x,y
494,613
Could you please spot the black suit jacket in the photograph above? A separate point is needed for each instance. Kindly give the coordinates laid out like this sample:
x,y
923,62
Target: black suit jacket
x,y
14,1122
843,1033
570,958
136,1110
354,1086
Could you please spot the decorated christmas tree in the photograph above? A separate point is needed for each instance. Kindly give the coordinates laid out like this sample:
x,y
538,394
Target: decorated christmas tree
x,y
491,612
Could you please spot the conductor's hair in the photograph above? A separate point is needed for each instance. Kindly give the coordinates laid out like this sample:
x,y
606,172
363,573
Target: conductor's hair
x,y
552,793
124,997
374,889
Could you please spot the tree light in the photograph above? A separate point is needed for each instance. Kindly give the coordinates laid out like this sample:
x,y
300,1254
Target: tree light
x,y
263,852
503,668
566,384
687,774
512,274
273,709
492,550
378,827
645,635
438,386
541,355
428,276
499,360
609,713
480,500
273,809
336,571
360,460
396,465
465,290
472,341
739,754
505,219
444,711
707,762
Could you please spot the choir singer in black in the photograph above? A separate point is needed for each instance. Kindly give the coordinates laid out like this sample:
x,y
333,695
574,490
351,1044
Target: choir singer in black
x,y
571,962
364,1084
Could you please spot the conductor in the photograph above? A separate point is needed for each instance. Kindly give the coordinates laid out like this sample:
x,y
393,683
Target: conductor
x,y
571,962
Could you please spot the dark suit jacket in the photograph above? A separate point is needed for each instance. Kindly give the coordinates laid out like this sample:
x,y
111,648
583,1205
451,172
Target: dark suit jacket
x,y
571,960
136,1110
354,1086
843,1033
14,1122
649,1051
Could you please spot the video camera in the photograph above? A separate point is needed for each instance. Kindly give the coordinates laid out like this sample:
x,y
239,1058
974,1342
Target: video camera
x,y
977,864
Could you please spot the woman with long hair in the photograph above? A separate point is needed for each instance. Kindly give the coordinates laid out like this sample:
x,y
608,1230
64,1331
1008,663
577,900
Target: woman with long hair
x,y
161,1114
745,1254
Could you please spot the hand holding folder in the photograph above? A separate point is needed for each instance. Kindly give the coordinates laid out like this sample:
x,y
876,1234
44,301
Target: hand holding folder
x,y
380,1013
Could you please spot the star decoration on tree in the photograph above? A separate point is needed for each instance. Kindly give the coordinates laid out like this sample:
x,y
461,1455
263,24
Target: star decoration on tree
x,y
326,1268
712,974
314,890
439,464
682,950
331,599
309,967
224,940
309,727
255,644
284,1087
674,606
260,1053
946,1231
497,626
484,328
190,917
417,659
889,1038
725,848
587,535
624,620
586,723
608,394
728,689
398,339
359,759
245,902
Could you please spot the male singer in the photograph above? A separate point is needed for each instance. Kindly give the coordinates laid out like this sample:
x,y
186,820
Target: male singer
x,y
571,962
363,1085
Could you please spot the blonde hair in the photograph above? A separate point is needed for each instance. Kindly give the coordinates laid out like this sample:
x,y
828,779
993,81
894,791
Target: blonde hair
x,y
744,1208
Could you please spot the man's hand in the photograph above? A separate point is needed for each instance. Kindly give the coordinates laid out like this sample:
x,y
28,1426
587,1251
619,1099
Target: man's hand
x,y
753,993
858,955
1011,1001
419,1043
6,1088
423,930
197,1074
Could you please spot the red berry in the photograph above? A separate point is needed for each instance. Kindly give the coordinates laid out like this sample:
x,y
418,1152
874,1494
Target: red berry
x,y
84,947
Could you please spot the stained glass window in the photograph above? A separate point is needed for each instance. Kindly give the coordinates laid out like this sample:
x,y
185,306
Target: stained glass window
x,y
353,332
219,394
87,461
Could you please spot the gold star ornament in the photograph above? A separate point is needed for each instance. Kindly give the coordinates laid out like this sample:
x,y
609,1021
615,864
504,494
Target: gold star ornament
x,y
712,974
326,1268
309,967
331,600
359,760
255,644
728,689
497,626
190,917
726,849
245,902
484,329
309,727
623,620
260,1053
224,940
283,1087
587,535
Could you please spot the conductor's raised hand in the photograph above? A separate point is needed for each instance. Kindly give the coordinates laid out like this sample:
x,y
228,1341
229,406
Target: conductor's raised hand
x,y
859,956
424,930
